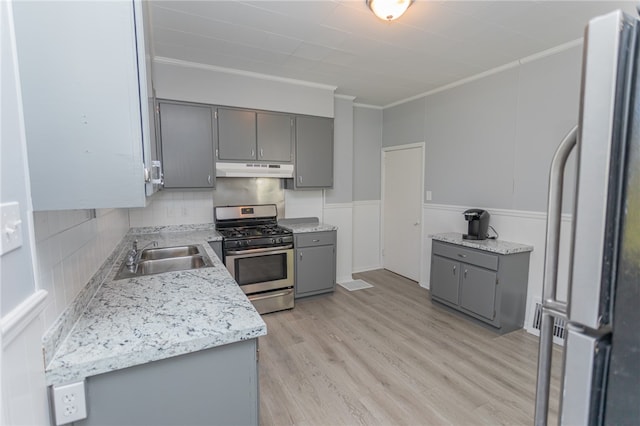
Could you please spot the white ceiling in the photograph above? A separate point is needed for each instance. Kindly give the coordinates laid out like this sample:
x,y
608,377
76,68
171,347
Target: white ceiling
x,y
341,43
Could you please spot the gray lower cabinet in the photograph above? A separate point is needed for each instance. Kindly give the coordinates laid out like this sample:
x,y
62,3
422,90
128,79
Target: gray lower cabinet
x,y
487,286
315,266
314,153
217,386
186,132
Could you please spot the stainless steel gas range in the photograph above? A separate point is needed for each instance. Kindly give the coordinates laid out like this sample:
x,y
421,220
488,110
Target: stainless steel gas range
x,y
258,253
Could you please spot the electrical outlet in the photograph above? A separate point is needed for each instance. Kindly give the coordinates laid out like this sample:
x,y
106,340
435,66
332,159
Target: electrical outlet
x,y
69,403
428,195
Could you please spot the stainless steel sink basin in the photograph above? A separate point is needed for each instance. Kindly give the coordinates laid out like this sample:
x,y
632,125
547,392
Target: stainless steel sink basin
x,y
168,252
166,259
158,266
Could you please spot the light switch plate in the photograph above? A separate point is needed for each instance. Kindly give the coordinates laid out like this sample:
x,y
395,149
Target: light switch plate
x,y
10,227
428,195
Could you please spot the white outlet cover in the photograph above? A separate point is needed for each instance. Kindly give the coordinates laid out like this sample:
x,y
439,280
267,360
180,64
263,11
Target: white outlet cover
x,y
69,403
10,227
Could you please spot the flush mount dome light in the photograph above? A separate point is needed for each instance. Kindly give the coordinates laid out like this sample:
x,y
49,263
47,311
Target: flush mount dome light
x,y
388,10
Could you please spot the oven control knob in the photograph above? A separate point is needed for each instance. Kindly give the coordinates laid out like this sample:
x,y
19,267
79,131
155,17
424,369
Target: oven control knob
x,y
273,241
279,240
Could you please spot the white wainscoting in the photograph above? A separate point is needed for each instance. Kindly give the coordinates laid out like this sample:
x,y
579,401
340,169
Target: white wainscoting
x,y
512,225
341,215
366,236
24,395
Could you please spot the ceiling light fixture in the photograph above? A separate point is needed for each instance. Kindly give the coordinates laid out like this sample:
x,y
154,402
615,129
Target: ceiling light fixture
x,y
388,10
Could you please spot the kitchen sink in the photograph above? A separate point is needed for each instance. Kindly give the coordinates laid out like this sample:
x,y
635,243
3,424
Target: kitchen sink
x,y
158,266
168,252
165,259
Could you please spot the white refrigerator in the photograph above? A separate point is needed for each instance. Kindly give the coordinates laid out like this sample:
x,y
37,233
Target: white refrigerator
x,y
601,365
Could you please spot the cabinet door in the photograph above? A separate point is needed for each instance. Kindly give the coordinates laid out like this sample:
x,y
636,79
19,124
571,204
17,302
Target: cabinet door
x,y
83,90
274,137
445,280
314,152
236,134
478,291
187,146
315,270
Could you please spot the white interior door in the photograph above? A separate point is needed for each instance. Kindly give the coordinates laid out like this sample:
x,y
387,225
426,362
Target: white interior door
x,y
402,210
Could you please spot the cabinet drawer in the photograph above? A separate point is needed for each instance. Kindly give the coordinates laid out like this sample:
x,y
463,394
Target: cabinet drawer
x,y
316,239
462,254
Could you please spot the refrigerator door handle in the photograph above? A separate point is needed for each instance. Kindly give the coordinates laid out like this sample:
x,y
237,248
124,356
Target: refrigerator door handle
x,y
550,306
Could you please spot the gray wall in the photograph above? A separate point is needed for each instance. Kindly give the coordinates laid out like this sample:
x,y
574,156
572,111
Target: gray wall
x,y
403,123
16,266
367,143
470,138
489,142
342,191
196,83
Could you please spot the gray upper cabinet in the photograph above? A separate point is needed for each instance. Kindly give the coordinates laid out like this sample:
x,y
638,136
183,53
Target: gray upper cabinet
x,y
236,134
314,153
187,145
85,100
247,135
275,136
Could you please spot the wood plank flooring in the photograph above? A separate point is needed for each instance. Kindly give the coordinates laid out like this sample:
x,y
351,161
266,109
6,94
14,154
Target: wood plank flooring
x,y
387,356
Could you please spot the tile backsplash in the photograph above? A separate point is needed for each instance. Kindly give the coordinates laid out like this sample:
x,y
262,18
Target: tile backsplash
x,y
179,207
70,247
174,208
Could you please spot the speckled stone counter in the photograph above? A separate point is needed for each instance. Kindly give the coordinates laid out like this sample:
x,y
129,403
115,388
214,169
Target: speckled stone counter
x,y
494,246
300,226
135,321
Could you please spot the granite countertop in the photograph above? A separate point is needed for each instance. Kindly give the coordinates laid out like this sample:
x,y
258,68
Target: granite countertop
x,y
134,321
494,246
303,225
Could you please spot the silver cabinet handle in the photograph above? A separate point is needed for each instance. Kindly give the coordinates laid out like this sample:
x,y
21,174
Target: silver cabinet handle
x,y
209,179
465,273
261,153
299,179
300,255
454,269
253,152
550,305
462,255
315,241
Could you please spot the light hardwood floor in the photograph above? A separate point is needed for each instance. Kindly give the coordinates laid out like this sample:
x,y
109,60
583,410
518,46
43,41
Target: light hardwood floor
x,y
388,356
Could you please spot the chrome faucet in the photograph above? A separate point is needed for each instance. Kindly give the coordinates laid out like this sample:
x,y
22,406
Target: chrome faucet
x,y
133,255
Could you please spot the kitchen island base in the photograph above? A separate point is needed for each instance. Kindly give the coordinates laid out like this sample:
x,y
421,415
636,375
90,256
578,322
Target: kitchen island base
x,y
217,386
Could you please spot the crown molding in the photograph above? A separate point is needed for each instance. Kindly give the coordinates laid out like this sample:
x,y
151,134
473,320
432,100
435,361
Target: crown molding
x,y
207,67
526,59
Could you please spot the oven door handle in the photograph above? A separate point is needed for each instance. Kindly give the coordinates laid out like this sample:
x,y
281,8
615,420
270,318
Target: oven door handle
x,y
274,250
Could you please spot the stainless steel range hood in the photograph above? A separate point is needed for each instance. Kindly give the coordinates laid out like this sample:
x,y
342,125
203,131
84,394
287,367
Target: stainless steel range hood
x,y
254,170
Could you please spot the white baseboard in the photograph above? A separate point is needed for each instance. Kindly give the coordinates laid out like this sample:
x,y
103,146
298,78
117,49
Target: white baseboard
x,y
366,268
